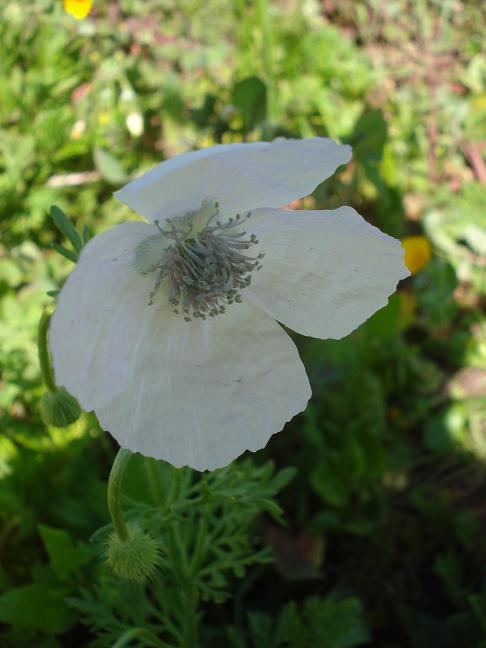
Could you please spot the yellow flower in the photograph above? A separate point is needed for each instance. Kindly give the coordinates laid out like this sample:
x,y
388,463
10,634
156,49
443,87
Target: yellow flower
x,y
417,252
78,8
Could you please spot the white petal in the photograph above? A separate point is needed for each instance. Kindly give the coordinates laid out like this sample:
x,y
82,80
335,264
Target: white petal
x,y
97,316
206,391
240,176
324,272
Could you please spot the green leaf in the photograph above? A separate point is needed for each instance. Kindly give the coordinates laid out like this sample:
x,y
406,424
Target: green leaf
x,y
369,137
282,478
290,628
72,256
109,167
66,227
384,323
261,629
337,623
35,607
65,558
328,482
328,622
434,289
86,234
250,97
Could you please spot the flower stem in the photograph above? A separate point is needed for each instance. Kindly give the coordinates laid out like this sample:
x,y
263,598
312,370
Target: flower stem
x,y
114,493
43,351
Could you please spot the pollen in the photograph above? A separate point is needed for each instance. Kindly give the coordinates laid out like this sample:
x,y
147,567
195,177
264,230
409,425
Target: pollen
x,y
202,259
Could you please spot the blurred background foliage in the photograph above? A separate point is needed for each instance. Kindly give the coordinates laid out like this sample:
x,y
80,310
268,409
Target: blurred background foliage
x,y
368,528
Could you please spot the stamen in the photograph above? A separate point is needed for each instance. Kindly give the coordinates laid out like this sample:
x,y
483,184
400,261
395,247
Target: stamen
x,y
205,267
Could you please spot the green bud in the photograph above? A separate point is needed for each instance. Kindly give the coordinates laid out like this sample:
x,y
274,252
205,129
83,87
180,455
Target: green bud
x,y
59,409
134,558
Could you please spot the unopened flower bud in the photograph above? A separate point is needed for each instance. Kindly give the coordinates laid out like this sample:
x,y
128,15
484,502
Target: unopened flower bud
x,y
134,558
59,408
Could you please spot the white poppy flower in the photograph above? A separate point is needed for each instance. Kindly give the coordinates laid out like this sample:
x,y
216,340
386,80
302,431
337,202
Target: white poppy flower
x,y
159,330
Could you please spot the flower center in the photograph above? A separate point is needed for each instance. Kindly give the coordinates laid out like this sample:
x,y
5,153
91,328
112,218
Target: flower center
x,y
203,260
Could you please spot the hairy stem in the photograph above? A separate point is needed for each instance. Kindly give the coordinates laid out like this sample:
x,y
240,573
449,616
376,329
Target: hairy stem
x,y
43,351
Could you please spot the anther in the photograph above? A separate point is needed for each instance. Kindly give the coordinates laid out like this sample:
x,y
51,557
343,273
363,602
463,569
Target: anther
x,y
205,267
